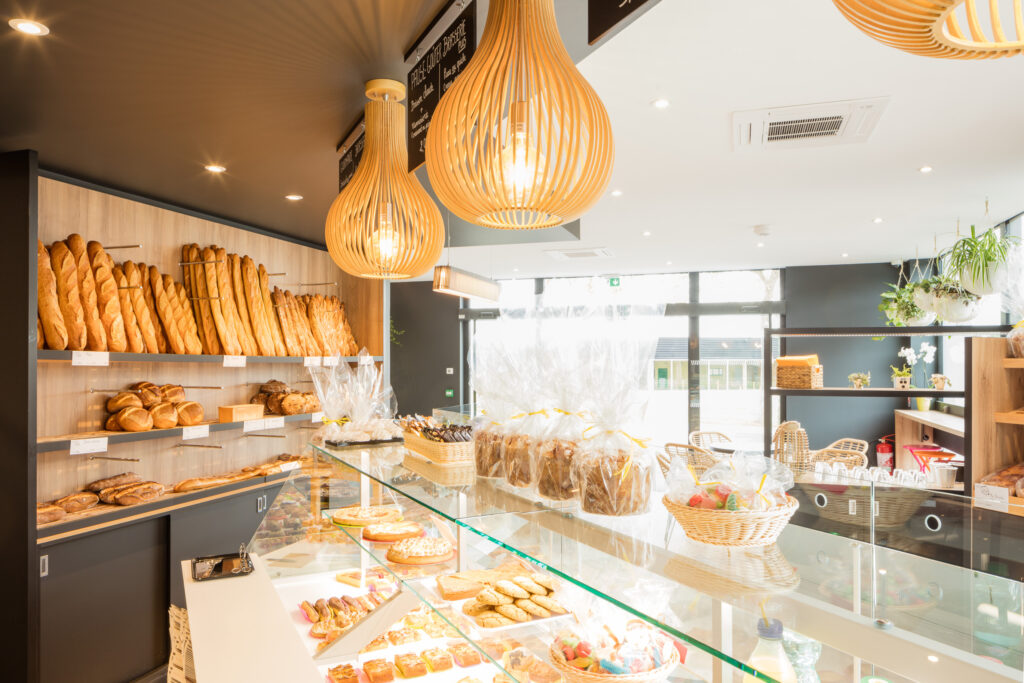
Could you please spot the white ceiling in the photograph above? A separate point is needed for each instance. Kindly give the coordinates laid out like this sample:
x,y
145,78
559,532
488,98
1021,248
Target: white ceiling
x,y
682,181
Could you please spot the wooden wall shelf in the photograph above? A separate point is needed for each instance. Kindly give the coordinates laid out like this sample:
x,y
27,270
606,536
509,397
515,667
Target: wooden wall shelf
x,y
1012,417
1013,363
867,393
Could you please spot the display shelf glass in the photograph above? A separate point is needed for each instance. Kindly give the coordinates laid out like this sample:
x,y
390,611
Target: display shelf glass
x,y
808,579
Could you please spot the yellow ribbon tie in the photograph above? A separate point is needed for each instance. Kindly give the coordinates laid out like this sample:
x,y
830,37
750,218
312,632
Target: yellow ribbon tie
x,y
340,421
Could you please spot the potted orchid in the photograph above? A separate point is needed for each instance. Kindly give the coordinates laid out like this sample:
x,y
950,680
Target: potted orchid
x,y
924,355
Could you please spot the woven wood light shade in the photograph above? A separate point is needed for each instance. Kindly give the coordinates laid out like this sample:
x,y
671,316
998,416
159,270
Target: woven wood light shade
x,y
383,224
932,28
520,140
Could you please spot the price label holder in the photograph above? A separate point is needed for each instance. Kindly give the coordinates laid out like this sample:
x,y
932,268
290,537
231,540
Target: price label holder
x,y
234,361
311,362
253,426
992,497
273,423
330,361
317,417
93,358
94,445
195,432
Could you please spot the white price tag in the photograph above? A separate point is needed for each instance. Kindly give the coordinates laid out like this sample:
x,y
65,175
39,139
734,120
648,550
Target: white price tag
x,y
234,361
273,423
311,361
90,358
195,432
289,466
330,361
992,497
95,445
317,416
253,426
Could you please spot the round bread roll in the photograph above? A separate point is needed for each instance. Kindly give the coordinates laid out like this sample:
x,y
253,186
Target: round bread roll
x,y
164,415
135,420
189,413
143,385
150,396
274,403
172,393
112,424
125,399
274,386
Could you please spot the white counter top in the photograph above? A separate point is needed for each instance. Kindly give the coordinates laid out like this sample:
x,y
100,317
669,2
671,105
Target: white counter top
x,y
241,631
936,420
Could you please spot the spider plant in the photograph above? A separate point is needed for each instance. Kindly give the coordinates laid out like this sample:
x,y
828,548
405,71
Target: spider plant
x,y
974,260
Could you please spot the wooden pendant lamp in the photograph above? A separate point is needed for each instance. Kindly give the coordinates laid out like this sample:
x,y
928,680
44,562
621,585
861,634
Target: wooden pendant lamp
x,y
520,139
383,224
932,27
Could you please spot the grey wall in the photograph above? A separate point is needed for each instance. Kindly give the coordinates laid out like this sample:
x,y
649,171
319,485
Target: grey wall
x,y
842,296
429,345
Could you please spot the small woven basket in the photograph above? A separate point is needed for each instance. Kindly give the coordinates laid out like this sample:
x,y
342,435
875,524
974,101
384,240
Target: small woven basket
x,y
573,674
459,452
457,474
737,528
895,505
799,377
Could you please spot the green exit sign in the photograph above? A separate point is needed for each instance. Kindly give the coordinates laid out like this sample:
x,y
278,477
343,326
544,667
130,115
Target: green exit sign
x,y
613,282
449,393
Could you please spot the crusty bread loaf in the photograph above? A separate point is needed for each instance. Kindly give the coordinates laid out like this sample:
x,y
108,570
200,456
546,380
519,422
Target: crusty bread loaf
x,y
107,298
50,316
116,480
164,415
76,502
204,317
173,393
132,333
238,287
65,273
254,305
144,384
112,425
40,335
225,329
316,311
190,299
291,337
166,312
353,347
293,404
135,420
95,334
227,303
150,395
297,310
189,413
154,314
107,494
136,494
270,312
199,483
136,291
193,344
47,513
125,399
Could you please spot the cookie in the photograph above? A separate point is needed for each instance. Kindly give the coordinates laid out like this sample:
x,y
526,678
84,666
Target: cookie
x,y
510,589
512,612
548,603
473,608
545,580
529,585
490,596
532,608
491,619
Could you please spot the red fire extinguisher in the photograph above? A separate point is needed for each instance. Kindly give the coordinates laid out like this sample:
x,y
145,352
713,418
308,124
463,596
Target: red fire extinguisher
x,y
884,452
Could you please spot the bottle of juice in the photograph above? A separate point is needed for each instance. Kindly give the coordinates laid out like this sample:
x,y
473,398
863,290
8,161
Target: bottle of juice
x,y
769,657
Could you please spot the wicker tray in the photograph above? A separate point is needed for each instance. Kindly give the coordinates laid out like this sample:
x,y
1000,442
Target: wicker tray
x,y
896,504
572,674
445,453
738,528
799,377
458,474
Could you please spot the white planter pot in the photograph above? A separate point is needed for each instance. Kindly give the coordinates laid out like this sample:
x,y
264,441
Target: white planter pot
x,y
953,310
998,276
900,382
925,300
920,321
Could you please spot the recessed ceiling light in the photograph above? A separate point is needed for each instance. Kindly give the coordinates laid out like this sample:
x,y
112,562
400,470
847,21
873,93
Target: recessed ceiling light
x,y
32,28
932,658
668,263
293,197
215,168
647,233
515,270
925,169
878,220
616,193
845,254
660,103
760,244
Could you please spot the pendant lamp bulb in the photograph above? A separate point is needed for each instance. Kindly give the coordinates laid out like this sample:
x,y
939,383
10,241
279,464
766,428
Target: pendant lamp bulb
x,y
383,224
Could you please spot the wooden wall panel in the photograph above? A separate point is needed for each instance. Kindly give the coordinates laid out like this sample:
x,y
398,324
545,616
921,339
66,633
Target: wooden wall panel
x,y
993,389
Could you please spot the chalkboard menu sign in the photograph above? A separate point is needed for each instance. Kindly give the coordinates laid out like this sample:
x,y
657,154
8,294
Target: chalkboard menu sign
x,y
434,74
603,15
349,161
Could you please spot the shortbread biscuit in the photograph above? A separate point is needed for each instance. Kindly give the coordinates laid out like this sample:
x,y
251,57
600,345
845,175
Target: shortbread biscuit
x,y
510,589
512,612
533,608
529,585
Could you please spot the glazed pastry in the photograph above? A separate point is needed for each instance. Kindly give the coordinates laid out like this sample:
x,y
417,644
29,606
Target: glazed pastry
x,y
378,670
420,551
410,666
464,655
343,673
356,515
309,611
437,659
402,636
389,532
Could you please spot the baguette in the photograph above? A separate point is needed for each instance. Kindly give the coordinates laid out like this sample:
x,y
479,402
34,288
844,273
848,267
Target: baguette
x,y
143,317
132,333
154,314
353,347
96,336
297,311
199,483
317,324
268,307
76,502
46,513
193,344
107,494
238,287
287,331
116,480
166,311
225,330
190,299
66,276
204,318
254,304
50,317
139,493
227,303
107,299
40,335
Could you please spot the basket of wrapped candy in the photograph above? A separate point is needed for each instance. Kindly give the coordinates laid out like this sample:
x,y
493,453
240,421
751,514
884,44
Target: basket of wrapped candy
x,y
639,655
741,501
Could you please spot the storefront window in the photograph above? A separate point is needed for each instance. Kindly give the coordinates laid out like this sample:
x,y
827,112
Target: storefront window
x,y
740,285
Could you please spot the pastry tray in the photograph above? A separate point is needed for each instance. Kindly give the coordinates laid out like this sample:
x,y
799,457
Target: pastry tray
x,y
429,590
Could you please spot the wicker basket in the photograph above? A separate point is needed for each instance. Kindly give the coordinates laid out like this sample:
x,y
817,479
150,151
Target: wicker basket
x,y
737,528
799,377
572,674
457,474
896,504
459,452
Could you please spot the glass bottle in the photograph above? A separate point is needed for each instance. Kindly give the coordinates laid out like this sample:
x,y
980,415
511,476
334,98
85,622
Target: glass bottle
x,y
769,657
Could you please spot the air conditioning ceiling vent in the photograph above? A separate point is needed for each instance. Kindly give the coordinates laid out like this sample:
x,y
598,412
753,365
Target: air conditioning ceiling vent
x,y
810,125
572,254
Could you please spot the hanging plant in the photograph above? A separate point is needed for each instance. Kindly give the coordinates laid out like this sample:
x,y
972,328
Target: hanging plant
x,y
979,262
951,301
901,309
